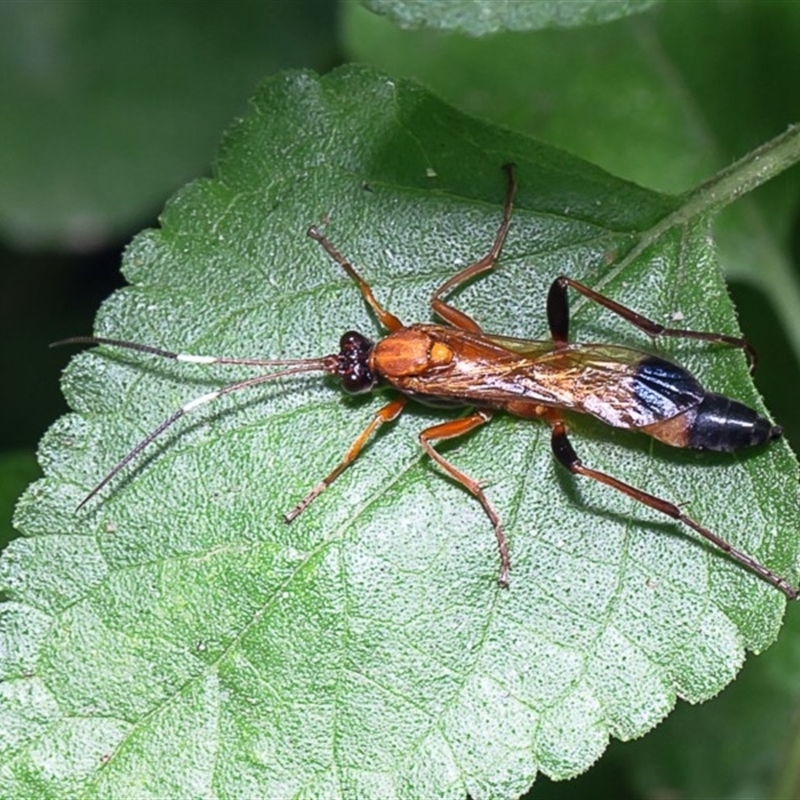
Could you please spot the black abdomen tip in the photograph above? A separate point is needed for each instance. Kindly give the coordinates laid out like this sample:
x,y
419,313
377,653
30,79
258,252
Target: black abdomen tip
x,y
727,425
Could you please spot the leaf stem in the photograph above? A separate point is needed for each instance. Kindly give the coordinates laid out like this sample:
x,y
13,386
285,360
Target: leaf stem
x,y
744,175
729,184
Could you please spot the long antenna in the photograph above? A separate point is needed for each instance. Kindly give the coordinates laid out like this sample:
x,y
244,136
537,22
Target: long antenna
x,y
184,357
293,366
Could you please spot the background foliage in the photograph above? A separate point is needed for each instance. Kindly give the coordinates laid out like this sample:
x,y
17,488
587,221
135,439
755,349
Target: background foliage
x,y
111,109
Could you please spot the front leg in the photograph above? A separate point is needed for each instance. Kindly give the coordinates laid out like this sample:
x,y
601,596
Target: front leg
x,y
386,318
390,412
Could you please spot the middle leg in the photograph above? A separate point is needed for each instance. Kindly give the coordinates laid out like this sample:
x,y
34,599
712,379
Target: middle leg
x,y
451,430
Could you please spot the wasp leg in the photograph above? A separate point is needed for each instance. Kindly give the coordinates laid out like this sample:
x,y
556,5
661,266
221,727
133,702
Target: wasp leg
x,y
451,430
389,412
451,315
386,318
563,451
558,318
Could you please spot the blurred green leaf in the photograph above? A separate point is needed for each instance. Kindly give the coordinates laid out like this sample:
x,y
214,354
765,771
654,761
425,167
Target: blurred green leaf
x,y
481,17
108,107
736,746
176,638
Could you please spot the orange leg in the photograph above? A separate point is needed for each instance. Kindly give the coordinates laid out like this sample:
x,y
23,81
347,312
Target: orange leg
x,y
386,318
389,412
451,315
563,451
450,430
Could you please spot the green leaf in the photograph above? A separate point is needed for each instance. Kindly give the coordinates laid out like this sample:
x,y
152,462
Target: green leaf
x,y
481,17
176,638
108,107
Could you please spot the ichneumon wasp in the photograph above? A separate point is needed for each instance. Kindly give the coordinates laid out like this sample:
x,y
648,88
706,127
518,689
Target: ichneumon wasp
x,y
457,364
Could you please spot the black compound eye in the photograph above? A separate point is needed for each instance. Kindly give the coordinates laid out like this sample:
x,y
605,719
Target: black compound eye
x,y
354,343
357,381
354,370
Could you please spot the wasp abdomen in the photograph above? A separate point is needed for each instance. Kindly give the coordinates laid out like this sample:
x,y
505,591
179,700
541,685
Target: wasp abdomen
x,y
689,416
727,425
